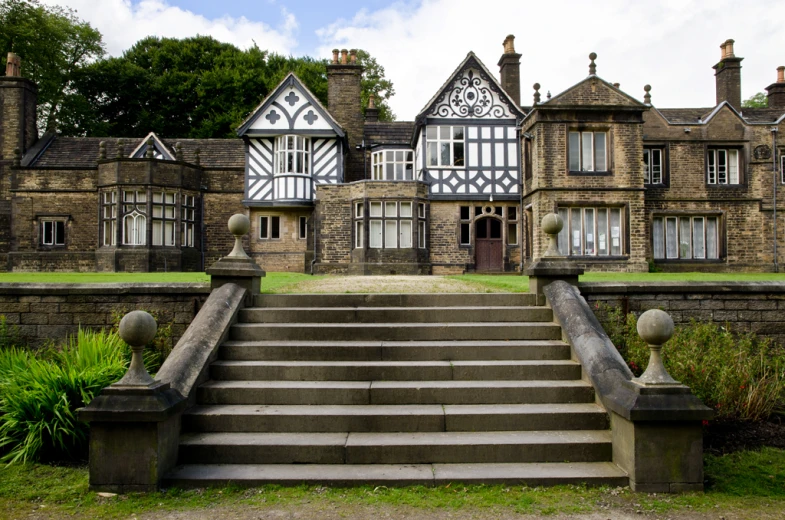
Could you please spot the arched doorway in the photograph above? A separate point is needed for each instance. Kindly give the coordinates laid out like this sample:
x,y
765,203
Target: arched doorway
x,y
488,244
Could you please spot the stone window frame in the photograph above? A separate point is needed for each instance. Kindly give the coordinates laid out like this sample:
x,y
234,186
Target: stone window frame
x,y
581,130
451,140
512,225
359,224
271,230
302,227
566,238
53,219
719,235
381,160
135,210
422,226
163,216
468,214
664,151
187,220
711,151
388,223
782,166
108,201
284,153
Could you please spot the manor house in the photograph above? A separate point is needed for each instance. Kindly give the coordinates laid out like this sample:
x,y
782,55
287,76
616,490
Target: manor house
x,y
462,188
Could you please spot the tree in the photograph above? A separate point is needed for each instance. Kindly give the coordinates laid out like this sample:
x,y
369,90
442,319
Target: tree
x,y
53,44
374,82
758,100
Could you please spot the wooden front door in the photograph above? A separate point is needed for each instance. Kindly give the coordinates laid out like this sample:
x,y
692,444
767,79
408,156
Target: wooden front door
x,y
488,245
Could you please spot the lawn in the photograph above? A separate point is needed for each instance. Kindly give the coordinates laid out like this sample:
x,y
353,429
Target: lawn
x,y
752,482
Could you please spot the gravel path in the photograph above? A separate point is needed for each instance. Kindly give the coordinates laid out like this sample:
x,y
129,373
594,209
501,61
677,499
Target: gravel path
x,y
384,284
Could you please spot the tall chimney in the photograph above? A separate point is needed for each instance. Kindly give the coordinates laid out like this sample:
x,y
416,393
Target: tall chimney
x,y
728,76
18,100
371,112
343,102
510,70
776,91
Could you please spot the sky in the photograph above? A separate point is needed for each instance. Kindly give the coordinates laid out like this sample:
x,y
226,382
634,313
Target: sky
x,y
669,44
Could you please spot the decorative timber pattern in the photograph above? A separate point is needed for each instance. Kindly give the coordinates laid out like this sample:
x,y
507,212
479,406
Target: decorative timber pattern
x,y
471,95
259,171
492,166
326,161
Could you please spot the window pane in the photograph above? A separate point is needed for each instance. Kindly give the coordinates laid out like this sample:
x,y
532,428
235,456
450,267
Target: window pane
x,y
275,227
465,235
376,209
685,250
496,228
616,231
575,225
406,209
421,234
733,166
409,174
158,233
722,167
358,209
390,209
48,232
711,160
712,251
481,229
445,154
458,154
158,197
358,234
457,132
657,237
444,132
512,213
465,213
169,233
431,132
59,233
672,245
389,171
656,167
303,227
399,171
697,238
646,167
375,234
600,156
564,234
390,234
588,230
141,196
433,154
263,227
169,211
602,231
586,152
421,210
406,234
512,234
575,150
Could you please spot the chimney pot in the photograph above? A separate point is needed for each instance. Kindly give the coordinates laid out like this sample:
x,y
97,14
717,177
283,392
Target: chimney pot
x,y
617,85
729,48
344,56
13,66
781,74
509,44
353,55
371,101
335,56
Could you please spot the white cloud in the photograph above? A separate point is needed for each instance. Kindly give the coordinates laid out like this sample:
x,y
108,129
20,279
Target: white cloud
x,y
671,45
123,23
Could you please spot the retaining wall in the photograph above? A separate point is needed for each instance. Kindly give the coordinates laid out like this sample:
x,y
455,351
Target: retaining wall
x,y
757,307
46,312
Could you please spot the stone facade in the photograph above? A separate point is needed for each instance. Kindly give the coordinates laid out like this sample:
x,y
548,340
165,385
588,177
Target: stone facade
x,y
462,188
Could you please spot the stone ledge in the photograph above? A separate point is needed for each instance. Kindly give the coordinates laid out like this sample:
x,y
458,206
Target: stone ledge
x,y
596,288
49,289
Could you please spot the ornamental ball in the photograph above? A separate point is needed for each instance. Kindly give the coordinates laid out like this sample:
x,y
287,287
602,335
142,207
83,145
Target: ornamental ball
x,y
239,224
655,327
138,328
552,224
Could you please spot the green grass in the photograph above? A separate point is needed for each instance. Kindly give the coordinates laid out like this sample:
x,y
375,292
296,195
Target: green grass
x,y
104,277
753,482
281,283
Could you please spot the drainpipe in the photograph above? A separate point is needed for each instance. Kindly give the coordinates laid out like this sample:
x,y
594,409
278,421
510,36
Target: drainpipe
x,y
774,197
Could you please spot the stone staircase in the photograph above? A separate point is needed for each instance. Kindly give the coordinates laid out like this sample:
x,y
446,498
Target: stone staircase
x,y
395,390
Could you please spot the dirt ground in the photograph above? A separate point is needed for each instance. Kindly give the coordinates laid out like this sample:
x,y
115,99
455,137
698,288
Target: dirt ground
x,y
384,284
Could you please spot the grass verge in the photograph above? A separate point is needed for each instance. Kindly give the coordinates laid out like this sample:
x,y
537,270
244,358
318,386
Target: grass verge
x,y
751,481
104,278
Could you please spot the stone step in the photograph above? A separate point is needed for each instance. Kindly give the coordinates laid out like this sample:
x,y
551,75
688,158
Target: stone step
x,y
454,314
393,370
394,331
346,475
394,351
394,392
397,300
394,418
395,448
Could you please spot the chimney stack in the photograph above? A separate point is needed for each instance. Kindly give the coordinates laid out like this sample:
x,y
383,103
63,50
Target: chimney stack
x,y
371,113
776,91
343,102
728,76
510,70
13,66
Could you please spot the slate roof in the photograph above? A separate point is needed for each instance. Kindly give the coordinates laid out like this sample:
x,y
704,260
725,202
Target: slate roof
x,y
698,115
762,115
395,133
82,152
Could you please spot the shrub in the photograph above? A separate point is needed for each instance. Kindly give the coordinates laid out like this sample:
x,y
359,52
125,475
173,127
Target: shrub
x,y
39,395
741,376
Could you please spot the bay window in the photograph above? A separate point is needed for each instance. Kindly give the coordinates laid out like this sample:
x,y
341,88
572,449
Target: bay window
x,y
390,225
393,165
164,218
292,154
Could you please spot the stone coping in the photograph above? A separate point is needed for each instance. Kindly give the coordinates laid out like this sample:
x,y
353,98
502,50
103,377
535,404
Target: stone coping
x,y
50,289
680,287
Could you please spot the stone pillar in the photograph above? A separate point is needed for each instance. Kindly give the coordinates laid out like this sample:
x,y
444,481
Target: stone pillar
x,y
658,436
553,265
134,423
728,76
237,267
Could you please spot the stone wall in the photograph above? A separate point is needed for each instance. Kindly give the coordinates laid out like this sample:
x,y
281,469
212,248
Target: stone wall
x,y
45,312
757,307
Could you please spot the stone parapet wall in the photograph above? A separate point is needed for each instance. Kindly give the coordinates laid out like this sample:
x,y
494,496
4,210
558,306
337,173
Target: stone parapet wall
x,y
757,307
45,312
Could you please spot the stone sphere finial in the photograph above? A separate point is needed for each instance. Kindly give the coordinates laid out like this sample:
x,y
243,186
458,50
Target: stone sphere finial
x,y
592,65
239,225
655,327
137,328
551,225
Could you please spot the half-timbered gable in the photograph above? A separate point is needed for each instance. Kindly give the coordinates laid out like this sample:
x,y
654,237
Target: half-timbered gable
x,y
466,140
292,144
152,142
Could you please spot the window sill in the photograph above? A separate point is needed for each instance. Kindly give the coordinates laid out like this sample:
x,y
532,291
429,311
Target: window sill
x,y
590,174
726,186
689,260
601,258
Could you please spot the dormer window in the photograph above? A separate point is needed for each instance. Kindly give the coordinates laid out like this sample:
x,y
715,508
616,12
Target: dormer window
x,y
292,155
393,165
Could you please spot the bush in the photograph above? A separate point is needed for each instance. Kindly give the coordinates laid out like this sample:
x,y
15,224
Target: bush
x,y
741,376
40,393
